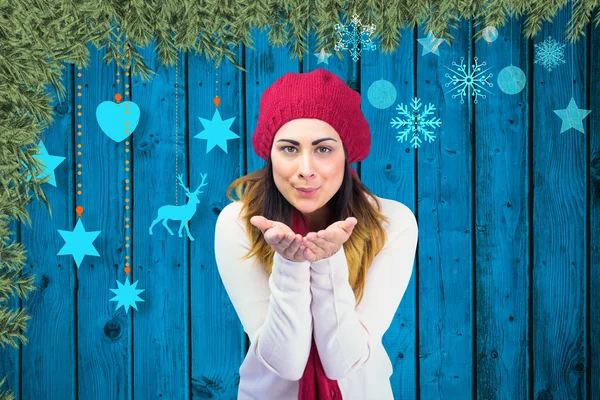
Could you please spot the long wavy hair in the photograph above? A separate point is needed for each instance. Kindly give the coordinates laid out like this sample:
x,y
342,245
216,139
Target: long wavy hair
x,y
260,196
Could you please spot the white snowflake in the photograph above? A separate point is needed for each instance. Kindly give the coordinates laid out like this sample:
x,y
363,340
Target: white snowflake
x,y
550,53
464,80
415,122
355,37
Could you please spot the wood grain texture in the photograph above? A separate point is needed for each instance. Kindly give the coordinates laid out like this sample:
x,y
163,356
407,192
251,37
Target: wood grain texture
x,y
502,225
592,129
49,363
502,304
390,172
103,333
218,341
161,327
445,220
559,261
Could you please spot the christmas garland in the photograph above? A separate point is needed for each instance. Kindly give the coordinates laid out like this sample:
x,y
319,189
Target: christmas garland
x,y
37,40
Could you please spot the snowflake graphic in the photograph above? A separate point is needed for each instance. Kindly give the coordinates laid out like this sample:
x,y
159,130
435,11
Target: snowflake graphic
x,y
416,122
474,80
550,53
355,37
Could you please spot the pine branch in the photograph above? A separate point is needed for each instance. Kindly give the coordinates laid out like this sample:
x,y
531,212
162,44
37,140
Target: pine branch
x,y
11,282
5,395
327,15
582,14
13,324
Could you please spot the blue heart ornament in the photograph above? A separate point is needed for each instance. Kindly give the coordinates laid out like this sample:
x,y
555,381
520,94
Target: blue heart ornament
x,y
118,120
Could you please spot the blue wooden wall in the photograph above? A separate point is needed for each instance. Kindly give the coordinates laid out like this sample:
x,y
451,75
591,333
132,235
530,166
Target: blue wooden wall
x,y
503,303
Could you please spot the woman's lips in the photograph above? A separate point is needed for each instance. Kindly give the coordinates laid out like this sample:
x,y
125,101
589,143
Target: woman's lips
x,y
306,193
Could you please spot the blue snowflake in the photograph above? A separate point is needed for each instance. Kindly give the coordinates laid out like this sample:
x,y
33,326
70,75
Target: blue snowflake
x,y
464,80
416,122
550,53
355,37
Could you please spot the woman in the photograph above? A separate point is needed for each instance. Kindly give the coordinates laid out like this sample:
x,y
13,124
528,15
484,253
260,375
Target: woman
x,y
314,263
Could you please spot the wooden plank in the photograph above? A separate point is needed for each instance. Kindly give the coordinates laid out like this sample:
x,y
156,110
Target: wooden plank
x,y
10,357
264,66
502,221
445,261
49,365
219,343
389,172
161,327
593,215
559,197
104,333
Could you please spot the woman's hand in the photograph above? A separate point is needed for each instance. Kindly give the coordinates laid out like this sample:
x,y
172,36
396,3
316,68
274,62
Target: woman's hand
x,y
325,243
281,238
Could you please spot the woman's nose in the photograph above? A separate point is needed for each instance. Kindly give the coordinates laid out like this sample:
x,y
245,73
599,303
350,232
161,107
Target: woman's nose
x,y
306,168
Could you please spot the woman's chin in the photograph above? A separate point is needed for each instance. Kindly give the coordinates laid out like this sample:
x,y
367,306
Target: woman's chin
x,y
305,206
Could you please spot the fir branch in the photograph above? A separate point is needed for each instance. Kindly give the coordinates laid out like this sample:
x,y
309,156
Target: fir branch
x,y
6,395
12,282
13,324
299,24
582,13
277,35
327,16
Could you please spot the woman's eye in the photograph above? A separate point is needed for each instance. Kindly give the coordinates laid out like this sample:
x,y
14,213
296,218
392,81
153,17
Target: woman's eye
x,y
285,149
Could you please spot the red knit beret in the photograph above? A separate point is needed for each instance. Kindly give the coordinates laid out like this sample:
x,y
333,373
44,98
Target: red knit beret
x,y
318,94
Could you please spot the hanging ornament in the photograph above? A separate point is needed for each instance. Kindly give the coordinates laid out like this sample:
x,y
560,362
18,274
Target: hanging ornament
x,y
49,164
355,37
490,34
511,79
182,213
118,120
79,242
381,94
430,44
127,295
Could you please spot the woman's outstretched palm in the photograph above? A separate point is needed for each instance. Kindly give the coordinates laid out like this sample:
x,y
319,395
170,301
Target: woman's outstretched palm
x,y
281,238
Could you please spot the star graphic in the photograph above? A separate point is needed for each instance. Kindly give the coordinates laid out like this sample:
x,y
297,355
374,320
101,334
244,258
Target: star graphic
x,y
572,117
323,57
78,243
216,132
127,295
51,162
430,44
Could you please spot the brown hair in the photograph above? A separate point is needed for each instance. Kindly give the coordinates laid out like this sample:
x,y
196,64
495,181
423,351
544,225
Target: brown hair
x,y
260,196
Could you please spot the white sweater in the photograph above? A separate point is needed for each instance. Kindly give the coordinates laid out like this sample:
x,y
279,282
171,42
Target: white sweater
x,y
280,313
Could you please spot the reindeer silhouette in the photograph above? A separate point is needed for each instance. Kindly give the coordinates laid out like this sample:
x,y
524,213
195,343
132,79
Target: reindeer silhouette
x,y
180,213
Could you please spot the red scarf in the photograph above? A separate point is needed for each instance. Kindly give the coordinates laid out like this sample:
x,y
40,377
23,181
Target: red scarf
x,y
314,384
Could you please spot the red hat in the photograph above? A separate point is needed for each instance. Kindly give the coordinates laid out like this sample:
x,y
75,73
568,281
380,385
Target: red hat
x,y
318,94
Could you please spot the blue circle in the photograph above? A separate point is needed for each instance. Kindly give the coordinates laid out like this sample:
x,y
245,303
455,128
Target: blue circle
x,y
381,94
511,79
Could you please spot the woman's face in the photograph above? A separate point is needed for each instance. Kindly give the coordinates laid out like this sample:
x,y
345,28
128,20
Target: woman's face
x,y
308,154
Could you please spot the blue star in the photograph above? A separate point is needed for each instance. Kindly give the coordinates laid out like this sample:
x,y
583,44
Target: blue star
x,y
51,162
323,57
127,295
78,243
572,117
216,132
430,44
